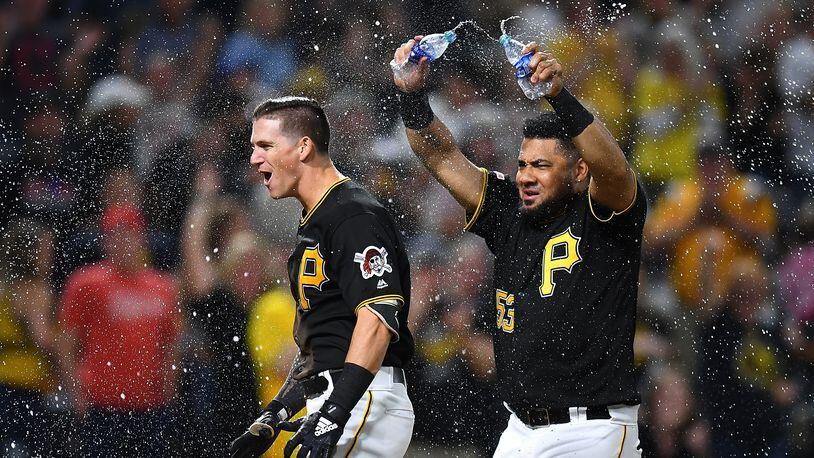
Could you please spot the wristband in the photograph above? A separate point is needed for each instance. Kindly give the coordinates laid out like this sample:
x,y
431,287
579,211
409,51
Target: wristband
x,y
574,116
266,424
415,109
350,387
278,410
335,412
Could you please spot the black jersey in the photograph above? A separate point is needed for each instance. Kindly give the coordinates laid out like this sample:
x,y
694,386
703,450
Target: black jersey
x,y
348,255
565,294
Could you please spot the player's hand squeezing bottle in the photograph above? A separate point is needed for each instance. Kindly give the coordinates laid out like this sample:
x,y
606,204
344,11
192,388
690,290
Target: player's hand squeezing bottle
x,y
431,47
523,72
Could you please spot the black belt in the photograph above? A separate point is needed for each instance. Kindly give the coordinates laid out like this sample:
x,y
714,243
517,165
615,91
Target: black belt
x,y
317,384
542,416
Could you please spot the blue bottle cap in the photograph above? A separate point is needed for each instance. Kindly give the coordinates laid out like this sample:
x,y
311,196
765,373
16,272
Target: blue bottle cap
x,y
504,39
450,36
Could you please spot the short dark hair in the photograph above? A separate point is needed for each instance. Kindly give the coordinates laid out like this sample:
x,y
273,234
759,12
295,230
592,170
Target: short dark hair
x,y
300,116
549,125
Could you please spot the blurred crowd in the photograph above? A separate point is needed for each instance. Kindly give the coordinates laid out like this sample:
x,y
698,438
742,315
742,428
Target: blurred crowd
x,y
144,303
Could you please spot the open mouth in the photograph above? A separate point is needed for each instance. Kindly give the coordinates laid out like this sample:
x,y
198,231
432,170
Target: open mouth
x,y
529,194
266,177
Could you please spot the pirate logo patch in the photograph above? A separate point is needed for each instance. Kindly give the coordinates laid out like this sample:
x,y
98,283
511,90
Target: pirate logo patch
x,y
372,261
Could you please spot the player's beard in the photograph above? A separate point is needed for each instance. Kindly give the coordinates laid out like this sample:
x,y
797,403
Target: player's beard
x,y
554,207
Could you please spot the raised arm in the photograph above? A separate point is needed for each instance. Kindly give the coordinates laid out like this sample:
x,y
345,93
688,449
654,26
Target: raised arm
x,y
200,274
612,181
430,139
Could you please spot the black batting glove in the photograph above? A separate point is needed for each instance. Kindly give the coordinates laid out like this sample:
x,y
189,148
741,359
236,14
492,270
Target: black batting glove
x,y
319,433
261,434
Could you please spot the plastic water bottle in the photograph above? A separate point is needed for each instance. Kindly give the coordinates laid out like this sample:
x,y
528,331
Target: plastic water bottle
x,y
523,72
431,47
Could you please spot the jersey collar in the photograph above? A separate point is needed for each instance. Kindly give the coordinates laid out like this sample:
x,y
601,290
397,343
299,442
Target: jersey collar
x,y
305,218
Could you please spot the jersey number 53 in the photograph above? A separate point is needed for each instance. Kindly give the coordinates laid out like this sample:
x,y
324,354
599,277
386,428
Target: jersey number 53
x,y
561,253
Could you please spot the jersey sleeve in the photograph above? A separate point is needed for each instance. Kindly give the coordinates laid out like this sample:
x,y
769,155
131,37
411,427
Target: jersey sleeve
x,y
630,219
496,209
364,259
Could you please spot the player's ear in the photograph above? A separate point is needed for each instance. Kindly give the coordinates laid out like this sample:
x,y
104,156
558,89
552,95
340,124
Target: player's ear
x,y
581,170
306,149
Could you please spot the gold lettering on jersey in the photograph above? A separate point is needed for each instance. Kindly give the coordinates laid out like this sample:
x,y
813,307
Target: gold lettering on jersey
x,y
553,263
505,310
312,273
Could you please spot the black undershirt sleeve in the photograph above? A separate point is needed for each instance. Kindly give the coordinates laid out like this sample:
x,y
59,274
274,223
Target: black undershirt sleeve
x,y
291,394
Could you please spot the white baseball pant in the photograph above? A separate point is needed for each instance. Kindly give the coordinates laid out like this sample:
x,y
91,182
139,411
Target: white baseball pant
x,y
381,423
617,437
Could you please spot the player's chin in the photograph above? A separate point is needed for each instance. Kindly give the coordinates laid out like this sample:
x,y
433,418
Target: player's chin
x,y
278,192
530,205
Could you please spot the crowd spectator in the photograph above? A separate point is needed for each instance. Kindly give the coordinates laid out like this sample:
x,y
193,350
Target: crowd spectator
x,y
224,273
743,369
261,46
268,334
672,427
120,324
28,373
795,76
453,344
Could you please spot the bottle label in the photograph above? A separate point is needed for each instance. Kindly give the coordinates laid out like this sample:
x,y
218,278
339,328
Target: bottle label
x,y
417,53
522,66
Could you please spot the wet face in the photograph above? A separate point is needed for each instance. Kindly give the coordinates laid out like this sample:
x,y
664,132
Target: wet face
x,y
276,156
545,176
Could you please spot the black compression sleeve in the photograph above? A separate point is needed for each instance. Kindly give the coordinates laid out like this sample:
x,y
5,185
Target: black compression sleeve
x,y
415,110
291,394
351,385
574,116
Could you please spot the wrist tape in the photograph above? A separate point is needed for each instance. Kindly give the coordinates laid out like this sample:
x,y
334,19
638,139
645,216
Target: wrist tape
x,y
415,109
350,387
278,410
574,116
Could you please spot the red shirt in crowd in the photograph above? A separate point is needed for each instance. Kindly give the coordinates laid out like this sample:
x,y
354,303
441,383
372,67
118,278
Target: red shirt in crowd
x,y
127,327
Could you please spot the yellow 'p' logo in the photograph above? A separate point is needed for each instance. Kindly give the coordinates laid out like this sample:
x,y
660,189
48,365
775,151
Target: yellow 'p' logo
x,y
553,262
312,273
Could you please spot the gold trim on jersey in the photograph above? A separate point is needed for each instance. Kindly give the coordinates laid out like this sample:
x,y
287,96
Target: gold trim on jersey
x,y
378,299
622,444
362,424
321,199
480,200
615,213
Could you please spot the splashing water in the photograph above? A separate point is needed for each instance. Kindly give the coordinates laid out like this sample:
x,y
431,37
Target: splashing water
x,y
475,26
478,51
504,21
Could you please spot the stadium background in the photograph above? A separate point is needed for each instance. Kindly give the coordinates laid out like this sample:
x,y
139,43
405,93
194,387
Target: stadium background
x,y
143,104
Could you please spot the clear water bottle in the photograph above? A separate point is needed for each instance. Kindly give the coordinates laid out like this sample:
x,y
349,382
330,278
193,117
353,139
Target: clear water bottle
x,y
514,52
431,47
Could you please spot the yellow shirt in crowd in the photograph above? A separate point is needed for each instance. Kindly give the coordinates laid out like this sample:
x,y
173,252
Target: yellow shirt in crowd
x,y
272,347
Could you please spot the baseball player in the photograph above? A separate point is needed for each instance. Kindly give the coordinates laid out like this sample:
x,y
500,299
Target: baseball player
x,y
566,235
350,277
